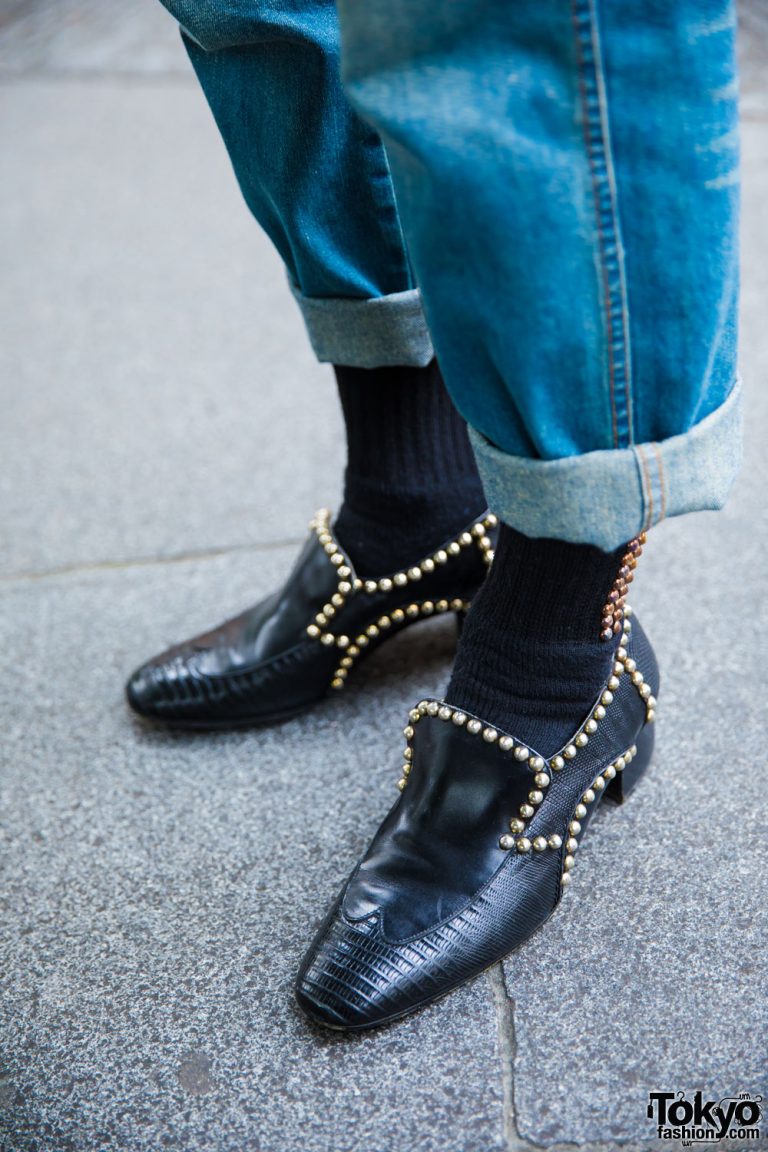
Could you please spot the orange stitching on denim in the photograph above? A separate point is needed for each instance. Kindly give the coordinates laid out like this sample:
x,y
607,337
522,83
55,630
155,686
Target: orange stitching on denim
x,y
662,480
648,488
601,238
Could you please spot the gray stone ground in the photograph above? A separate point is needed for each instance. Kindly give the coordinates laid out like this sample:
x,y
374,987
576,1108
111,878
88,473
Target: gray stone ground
x,y
165,435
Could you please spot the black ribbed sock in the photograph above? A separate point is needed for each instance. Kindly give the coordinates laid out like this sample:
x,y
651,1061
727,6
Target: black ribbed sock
x,y
530,659
411,480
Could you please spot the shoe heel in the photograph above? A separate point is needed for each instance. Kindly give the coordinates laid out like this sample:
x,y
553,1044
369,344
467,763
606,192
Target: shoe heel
x,y
623,782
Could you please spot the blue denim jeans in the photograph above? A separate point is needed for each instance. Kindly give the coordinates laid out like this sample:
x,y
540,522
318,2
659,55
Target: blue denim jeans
x,y
566,176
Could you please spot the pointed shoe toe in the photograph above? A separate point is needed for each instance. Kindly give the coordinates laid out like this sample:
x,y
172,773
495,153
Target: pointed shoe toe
x,y
286,653
477,851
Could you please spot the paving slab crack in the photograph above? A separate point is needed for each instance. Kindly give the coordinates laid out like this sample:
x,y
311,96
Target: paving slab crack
x,y
505,1022
190,555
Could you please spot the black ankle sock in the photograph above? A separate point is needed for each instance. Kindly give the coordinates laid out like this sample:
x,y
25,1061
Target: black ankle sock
x,y
531,660
411,480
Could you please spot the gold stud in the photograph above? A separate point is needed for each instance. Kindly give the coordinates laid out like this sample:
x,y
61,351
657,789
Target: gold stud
x,y
523,844
408,732
571,844
539,843
581,740
402,783
526,811
521,753
441,556
400,579
555,841
490,735
506,842
328,638
574,827
386,584
580,811
541,780
427,565
569,752
445,713
398,616
342,641
516,825
474,726
313,631
433,707
565,879
568,863
506,743
414,573
588,796
459,718
557,764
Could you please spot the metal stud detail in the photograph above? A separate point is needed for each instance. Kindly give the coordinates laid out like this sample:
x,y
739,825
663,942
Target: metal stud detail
x,y
348,584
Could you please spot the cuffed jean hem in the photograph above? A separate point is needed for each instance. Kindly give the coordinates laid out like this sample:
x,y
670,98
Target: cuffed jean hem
x,y
608,497
379,332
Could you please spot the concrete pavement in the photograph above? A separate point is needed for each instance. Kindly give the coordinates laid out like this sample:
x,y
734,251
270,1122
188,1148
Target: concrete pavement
x,y
165,435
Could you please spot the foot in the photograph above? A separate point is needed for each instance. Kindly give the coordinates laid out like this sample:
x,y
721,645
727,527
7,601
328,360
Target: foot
x,y
285,654
477,851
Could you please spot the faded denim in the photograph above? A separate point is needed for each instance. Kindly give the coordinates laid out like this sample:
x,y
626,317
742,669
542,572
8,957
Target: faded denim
x,y
315,176
567,179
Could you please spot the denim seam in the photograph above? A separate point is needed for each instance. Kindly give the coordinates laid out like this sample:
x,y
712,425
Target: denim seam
x,y
598,148
662,480
647,487
374,143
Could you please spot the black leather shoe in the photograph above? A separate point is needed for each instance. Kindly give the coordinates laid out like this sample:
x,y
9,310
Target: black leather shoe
x,y
476,852
286,653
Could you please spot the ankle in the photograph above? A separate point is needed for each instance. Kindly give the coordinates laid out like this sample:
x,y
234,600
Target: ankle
x,y
531,659
396,529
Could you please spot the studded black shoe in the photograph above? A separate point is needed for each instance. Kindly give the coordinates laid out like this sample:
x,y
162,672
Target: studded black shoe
x,y
280,657
476,852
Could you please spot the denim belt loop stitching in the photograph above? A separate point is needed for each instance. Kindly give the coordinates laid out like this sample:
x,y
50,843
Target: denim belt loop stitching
x,y
611,251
